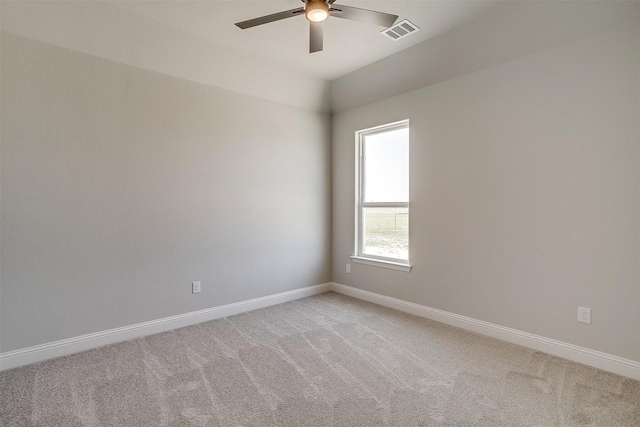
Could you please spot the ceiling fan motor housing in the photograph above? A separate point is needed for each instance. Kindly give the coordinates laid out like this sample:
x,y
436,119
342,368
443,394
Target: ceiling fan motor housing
x,y
316,10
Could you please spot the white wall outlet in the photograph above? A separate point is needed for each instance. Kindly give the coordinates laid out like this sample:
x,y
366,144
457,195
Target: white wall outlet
x,y
584,315
349,268
195,287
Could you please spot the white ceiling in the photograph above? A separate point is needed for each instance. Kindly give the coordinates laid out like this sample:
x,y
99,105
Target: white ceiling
x,y
198,41
348,45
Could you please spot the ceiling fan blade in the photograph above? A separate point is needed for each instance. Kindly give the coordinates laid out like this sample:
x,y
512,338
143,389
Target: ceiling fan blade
x,y
270,18
363,15
315,37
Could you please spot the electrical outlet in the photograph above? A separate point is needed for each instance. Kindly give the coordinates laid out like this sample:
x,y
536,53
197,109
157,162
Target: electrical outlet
x,y
349,268
584,315
195,287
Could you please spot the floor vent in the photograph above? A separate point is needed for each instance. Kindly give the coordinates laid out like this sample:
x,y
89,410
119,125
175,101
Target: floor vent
x,y
400,30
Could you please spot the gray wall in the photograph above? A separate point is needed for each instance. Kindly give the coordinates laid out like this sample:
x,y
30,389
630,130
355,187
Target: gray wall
x,y
121,186
525,192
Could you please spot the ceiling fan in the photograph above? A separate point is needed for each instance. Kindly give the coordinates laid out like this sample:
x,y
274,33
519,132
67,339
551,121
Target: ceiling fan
x,y
317,11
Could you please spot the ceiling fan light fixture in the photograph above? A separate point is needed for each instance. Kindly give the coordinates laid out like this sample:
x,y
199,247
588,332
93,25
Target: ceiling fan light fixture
x,y
317,10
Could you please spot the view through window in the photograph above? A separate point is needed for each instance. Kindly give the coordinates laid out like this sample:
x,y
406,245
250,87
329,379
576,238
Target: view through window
x,y
383,199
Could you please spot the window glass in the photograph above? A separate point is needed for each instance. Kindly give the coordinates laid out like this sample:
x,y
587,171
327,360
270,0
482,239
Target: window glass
x,y
386,232
386,162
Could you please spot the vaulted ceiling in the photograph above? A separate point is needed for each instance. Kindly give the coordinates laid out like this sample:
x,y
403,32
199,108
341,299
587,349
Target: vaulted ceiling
x,y
198,41
348,45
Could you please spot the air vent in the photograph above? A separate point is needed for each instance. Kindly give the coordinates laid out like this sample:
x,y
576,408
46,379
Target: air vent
x,y
400,30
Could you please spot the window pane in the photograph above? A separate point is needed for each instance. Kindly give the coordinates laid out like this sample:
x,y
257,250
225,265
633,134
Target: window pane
x,y
386,165
386,232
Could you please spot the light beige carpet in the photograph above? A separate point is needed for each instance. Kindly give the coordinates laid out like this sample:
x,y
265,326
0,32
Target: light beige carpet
x,y
328,360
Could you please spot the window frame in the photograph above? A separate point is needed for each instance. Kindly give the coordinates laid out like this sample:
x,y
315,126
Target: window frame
x,y
359,256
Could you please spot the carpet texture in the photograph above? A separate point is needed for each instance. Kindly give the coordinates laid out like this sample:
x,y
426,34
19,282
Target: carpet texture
x,y
327,360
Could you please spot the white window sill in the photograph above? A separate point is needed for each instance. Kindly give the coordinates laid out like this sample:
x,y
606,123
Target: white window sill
x,y
381,263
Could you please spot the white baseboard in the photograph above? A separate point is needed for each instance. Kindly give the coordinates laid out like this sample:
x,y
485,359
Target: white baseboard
x,y
25,356
607,362
597,359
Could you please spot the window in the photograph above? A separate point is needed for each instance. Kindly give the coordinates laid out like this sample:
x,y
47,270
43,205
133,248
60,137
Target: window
x,y
382,184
